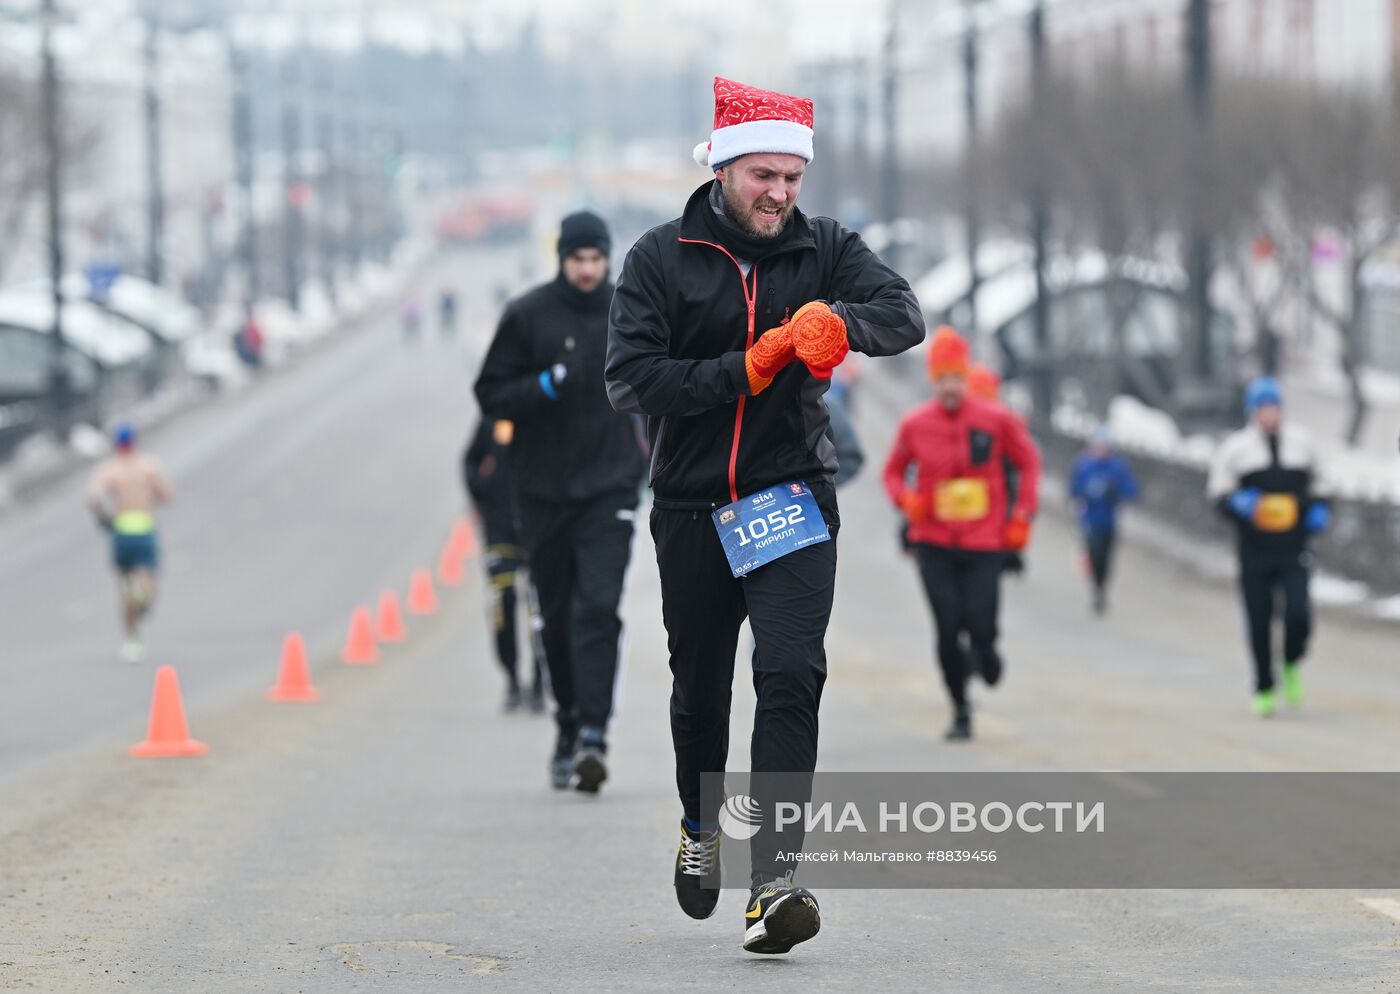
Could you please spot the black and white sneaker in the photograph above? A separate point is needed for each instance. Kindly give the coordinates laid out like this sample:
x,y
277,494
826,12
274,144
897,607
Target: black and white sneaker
x,y
561,764
780,916
590,761
961,728
697,872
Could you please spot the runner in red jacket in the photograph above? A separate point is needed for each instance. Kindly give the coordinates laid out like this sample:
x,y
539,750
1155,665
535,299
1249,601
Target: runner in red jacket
x,y
961,520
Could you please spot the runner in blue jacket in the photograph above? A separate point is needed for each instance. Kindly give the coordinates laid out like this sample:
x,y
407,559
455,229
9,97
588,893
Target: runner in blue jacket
x,y
1100,482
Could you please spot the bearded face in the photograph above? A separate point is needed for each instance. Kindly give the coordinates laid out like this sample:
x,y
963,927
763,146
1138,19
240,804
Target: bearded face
x,y
760,191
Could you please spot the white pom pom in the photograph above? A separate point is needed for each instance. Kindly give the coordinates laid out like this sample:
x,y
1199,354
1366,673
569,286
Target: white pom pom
x,y
701,154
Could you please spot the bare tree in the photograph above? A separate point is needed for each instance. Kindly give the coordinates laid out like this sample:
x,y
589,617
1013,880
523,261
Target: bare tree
x,y
1110,150
1246,206
22,162
1340,176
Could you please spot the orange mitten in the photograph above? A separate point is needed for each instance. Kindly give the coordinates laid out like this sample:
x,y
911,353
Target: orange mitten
x,y
1017,534
914,505
766,358
819,335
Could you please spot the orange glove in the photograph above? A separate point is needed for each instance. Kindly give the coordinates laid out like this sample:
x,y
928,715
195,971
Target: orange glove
x,y
914,505
1017,534
819,335
767,356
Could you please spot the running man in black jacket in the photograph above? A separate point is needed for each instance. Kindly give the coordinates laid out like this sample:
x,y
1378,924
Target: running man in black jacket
x,y
725,329
577,466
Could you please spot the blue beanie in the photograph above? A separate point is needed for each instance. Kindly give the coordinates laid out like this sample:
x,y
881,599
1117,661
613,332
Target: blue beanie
x,y
124,435
1262,391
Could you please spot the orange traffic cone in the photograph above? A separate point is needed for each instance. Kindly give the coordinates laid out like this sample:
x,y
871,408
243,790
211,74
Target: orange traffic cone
x,y
359,641
390,627
294,679
168,734
463,541
422,599
450,568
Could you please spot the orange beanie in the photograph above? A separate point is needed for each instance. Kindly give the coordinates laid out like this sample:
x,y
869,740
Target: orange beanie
x,y
947,353
983,382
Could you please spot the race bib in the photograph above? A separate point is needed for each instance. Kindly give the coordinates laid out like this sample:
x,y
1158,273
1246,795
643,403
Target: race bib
x,y
961,499
1276,513
762,527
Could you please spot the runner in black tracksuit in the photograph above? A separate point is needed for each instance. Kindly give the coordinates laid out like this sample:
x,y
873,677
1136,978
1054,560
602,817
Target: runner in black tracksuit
x,y
694,295
1265,479
487,476
578,465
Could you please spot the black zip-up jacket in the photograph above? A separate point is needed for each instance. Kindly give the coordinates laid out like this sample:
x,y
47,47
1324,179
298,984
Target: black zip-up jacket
x,y
575,447
682,316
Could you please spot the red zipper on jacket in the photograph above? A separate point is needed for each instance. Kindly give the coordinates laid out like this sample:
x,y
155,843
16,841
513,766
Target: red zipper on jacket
x,y
751,300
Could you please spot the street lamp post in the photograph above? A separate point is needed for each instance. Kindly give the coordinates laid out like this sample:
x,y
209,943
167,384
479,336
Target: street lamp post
x,y
890,180
1043,378
325,193
155,197
1199,392
292,189
973,219
242,119
59,386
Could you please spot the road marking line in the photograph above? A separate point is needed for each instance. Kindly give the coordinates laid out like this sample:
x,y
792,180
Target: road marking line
x,y
1385,905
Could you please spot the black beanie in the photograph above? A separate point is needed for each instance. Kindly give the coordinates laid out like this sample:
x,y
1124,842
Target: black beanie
x,y
583,230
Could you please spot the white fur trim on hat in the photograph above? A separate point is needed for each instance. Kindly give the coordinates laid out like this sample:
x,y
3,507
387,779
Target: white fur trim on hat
x,y
786,137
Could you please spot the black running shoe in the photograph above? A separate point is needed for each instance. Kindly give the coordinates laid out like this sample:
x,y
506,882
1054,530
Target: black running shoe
x,y
780,916
590,762
697,872
513,700
961,728
561,765
989,666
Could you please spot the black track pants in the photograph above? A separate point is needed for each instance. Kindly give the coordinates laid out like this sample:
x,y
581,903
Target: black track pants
x,y
963,588
1099,543
1263,574
788,604
578,554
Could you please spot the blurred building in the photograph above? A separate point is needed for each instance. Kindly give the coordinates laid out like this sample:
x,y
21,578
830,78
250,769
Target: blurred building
x,y
1353,42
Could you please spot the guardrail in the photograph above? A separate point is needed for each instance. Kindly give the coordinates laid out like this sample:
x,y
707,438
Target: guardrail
x,y
1363,543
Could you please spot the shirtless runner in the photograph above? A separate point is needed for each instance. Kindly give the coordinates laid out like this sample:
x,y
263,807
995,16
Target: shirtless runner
x,y
124,492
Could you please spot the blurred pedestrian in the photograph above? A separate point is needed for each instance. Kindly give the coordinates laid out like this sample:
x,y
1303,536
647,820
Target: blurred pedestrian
x,y
123,493
447,313
730,374
850,455
410,318
984,383
962,520
487,475
577,467
249,342
1266,480
1100,482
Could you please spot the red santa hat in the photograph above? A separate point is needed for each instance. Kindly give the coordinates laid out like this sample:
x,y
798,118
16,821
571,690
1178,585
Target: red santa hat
x,y
749,120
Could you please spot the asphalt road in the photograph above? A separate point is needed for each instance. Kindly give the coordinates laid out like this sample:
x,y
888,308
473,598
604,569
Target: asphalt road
x,y
399,835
